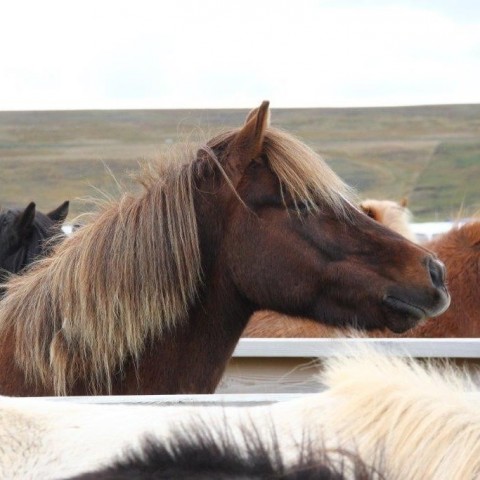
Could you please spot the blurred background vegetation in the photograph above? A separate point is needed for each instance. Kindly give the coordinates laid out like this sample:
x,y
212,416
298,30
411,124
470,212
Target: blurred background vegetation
x,y
429,154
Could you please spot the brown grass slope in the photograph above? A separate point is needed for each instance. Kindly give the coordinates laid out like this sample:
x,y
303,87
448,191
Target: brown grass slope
x,y
430,153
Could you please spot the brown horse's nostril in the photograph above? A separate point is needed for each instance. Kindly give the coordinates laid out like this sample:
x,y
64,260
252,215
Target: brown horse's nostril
x,y
437,272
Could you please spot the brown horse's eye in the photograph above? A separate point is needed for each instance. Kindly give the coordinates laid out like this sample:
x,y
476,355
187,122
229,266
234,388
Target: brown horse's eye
x,y
302,208
257,162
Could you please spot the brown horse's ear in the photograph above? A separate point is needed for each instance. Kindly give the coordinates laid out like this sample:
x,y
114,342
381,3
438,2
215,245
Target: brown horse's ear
x,y
24,221
248,143
404,202
60,213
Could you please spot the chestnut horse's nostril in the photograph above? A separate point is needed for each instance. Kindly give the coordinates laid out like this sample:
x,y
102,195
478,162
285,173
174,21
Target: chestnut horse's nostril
x,y
437,272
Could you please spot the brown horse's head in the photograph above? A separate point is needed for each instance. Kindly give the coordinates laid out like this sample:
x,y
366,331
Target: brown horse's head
x,y
292,241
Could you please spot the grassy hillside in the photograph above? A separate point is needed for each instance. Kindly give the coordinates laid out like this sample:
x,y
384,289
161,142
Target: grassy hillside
x,y
430,154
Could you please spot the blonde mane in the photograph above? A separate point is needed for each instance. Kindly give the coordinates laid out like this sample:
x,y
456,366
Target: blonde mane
x,y
302,172
423,419
133,272
129,274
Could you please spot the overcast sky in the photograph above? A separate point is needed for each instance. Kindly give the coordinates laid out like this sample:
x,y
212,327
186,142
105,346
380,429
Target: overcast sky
x,y
209,53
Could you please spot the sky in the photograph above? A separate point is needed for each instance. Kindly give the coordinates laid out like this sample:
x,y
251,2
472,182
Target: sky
x,y
223,54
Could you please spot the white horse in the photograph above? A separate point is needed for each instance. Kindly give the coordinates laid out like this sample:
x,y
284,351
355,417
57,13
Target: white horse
x,y
405,420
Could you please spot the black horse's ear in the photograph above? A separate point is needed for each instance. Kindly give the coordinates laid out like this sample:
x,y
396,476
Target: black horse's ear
x,y
24,221
248,143
60,213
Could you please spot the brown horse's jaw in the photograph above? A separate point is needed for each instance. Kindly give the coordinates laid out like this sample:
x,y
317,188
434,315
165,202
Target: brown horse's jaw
x,y
401,306
406,315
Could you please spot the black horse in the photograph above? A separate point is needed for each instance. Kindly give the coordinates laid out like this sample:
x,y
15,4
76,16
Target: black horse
x,y
25,235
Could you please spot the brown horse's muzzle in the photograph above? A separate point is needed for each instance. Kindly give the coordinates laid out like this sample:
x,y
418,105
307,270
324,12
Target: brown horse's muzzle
x,y
410,305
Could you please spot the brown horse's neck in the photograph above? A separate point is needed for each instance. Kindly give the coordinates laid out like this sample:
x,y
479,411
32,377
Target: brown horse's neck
x,y
12,379
188,359
193,357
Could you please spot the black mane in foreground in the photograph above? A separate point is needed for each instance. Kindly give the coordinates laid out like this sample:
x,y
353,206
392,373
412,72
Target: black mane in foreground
x,y
205,453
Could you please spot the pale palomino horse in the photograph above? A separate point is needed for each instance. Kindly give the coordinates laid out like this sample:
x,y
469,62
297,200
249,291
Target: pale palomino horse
x,y
400,418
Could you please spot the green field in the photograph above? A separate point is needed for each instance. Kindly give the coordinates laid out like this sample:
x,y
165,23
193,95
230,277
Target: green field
x,y
430,154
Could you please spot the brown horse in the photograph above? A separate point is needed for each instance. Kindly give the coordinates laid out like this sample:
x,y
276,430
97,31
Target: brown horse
x,y
394,215
153,295
459,249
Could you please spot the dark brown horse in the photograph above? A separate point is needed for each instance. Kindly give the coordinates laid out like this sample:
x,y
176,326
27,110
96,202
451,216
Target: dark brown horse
x,y
26,235
153,295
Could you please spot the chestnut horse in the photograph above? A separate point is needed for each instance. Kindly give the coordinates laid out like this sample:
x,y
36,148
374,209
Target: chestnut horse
x,y
405,419
153,295
459,249
25,235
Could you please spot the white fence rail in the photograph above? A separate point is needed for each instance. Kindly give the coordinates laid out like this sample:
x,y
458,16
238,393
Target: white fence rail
x,y
326,347
270,370
291,365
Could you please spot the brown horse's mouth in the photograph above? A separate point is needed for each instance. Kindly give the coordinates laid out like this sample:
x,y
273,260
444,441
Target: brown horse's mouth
x,y
405,308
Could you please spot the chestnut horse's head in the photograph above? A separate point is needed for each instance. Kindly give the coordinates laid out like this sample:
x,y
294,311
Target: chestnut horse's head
x,y
294,242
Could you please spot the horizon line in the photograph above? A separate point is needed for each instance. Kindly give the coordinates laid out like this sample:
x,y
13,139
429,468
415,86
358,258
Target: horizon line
x,y
364,107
